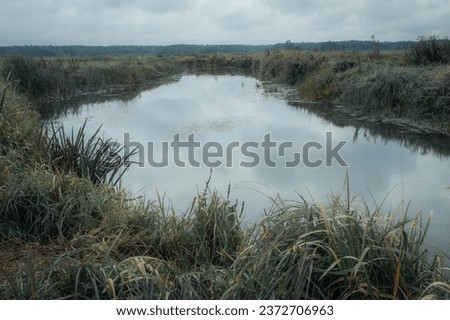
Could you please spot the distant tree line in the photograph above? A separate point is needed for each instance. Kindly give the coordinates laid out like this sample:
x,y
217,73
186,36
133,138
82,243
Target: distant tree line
x,y
188,49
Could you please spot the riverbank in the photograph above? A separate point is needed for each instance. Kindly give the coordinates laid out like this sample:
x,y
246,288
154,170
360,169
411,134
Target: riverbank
x,y
388,87
410,87
66,235
61,79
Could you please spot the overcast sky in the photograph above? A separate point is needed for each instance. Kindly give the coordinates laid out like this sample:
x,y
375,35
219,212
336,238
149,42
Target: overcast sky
x,y
162,22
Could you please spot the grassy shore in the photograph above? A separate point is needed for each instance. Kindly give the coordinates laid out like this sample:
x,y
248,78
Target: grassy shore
x,y
413,85
68,231
56,79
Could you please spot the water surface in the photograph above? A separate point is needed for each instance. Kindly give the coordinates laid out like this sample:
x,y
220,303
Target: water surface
x,y
386,167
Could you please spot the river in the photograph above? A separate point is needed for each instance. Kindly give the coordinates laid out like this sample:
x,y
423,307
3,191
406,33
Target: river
x,y
263,144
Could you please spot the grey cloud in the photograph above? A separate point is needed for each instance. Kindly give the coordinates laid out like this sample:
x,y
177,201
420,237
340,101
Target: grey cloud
x,y
152,6
105,22
297,7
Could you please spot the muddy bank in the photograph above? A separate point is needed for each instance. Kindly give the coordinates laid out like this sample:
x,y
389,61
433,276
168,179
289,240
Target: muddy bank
x,y
384,89
416,135
56,108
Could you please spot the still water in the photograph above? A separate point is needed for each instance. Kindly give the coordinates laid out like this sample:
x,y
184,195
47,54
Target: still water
x,y
228,119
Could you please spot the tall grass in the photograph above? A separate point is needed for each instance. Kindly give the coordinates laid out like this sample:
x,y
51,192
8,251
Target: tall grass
x,y
145,252
290,67
429,50
299,250
20,134
313,251
402,92
385,88
240,63
62,78
3,91
38,205
43,197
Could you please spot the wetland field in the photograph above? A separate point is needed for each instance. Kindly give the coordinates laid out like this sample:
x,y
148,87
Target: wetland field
x,y
106,192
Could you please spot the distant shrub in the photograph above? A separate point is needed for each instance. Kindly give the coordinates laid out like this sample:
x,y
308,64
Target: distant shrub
x,y
429,50
320,86
344,65
37,77
289,67
384,92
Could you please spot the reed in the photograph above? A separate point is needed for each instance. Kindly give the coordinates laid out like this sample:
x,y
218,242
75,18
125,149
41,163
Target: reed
x,y
146,252
313,251
3,90
299,250
428,50
63,78
97,159
38,205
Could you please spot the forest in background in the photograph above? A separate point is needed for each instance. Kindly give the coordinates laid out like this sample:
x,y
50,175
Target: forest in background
x,y
189,49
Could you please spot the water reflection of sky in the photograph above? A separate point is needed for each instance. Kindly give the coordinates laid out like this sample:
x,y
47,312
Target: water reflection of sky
x,y
227,109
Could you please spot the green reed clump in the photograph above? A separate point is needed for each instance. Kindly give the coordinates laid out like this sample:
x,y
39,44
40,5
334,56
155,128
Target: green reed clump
x,y
132,278
100,160
304,251
38,200
323,85
325,82
138,277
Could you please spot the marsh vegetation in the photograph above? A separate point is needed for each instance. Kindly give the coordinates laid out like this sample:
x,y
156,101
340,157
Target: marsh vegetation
x,y
69,231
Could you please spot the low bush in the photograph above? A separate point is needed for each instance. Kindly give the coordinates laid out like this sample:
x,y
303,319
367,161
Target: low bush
x,y
429,50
